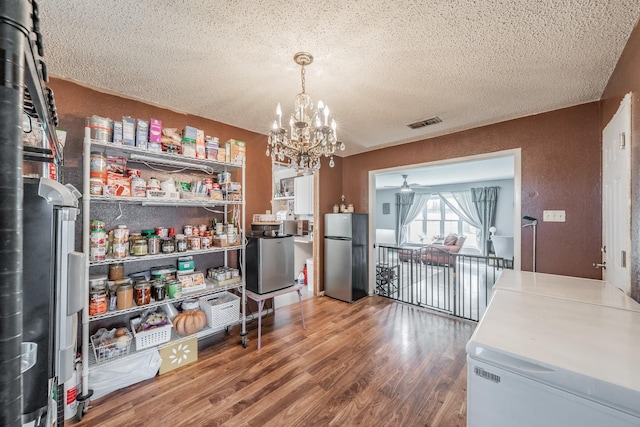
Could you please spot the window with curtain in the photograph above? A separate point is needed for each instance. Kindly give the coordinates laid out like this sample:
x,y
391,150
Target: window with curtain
x,y
438,219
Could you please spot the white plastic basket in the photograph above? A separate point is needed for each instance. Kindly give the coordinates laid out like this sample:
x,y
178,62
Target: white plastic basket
x,y
151,337
106,352
222,309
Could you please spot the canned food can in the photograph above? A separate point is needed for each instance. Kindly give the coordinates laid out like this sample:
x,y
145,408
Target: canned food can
x,y
194,243
120,235
97,225
202,228
133,172
206,242
162,232
174,289
97,300
188,230
97,253
120,250
97,239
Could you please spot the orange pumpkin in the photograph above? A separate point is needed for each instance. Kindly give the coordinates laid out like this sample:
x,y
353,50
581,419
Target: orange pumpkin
x,y
189,322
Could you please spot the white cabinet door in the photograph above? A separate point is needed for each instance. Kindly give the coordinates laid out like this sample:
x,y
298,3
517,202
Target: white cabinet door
x,y
303,195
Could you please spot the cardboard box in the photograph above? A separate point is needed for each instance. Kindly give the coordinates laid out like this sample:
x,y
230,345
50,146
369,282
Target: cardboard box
x,y
117,132
155,135
190,132
235,151
142,134
178,353
200,150
128,131
117,186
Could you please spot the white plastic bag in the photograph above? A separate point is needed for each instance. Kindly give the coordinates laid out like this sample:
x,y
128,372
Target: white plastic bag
x,y
117,374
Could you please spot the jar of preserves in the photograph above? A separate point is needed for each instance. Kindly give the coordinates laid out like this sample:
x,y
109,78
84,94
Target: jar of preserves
x,y
139,247
167,245
181,243
142,293
158,290
116,271
124,296
153,243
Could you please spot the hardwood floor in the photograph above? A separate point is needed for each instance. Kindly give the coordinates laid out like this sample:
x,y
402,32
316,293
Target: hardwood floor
x,y
375,363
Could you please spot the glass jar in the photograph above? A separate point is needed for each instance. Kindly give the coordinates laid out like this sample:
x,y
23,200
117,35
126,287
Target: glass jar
x,y
142,293
158,290
139,247
124,296
116,271
98,300
167,245
153,242
181,243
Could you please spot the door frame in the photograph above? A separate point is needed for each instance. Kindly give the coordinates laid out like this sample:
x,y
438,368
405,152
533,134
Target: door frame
x,y
517,201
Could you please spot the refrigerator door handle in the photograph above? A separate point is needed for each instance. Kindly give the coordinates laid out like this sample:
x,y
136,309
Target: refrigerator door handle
x,y
508,362
76,279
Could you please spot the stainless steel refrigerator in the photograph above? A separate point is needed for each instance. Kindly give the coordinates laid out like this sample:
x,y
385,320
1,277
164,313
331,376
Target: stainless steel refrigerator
x,y
269,263
346,254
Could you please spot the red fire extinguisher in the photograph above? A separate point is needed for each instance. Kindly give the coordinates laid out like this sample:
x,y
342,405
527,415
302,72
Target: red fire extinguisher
x,y
304,271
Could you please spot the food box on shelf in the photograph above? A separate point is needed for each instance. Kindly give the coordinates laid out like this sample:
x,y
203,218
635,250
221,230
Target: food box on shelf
x,y
192,281
178,353
151,337
129,131
222,309
111,349
223,243
235,151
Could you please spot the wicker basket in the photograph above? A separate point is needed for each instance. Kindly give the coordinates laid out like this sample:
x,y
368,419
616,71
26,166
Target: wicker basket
x,y
151,337
222,309
106,352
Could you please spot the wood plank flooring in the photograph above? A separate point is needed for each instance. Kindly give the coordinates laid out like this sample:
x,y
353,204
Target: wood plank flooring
x,y
374,363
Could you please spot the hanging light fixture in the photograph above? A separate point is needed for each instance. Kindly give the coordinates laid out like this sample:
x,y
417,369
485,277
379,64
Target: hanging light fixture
x,y
310,136
404,188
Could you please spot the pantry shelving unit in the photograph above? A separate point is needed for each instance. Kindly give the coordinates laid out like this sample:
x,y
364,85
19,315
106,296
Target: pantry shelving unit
x,y
155,160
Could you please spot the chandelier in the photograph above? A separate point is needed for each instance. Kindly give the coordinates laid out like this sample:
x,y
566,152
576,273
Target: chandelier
x,y
310,135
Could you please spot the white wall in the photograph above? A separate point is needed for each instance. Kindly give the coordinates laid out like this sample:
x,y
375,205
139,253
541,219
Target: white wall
x,y
504,209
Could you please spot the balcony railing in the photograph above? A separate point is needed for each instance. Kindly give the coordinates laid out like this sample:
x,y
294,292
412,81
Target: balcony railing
x,y
431,277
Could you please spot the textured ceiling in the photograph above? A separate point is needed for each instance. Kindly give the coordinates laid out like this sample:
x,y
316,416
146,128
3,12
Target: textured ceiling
x,y
379,65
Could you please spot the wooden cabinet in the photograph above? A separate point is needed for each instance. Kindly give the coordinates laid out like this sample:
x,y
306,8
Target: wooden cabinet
x,y
303,195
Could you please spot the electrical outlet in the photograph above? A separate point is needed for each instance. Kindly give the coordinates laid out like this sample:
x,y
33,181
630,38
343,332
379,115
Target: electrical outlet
x,y
553,216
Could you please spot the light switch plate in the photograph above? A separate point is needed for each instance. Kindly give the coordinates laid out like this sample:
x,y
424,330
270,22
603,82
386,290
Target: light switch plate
x,y
553,216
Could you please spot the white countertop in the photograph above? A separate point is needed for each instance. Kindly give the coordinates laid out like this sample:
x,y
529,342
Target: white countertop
x,y
564,287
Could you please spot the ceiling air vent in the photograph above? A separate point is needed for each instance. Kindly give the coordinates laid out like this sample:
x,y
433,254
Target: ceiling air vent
x,y
426,122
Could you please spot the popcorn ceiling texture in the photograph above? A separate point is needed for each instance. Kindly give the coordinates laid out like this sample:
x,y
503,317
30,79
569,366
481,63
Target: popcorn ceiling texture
x,y
379,65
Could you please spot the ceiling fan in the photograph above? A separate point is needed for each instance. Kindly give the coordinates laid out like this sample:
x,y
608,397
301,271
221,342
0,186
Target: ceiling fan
x,y
406,187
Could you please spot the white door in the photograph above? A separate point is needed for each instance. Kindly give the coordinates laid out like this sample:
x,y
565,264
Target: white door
x,y
616,197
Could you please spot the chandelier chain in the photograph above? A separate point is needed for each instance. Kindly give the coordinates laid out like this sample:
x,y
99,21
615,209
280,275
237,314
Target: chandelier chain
x,y
302,73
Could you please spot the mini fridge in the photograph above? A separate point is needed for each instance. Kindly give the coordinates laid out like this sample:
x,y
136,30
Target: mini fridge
x,y
270,263
346,254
